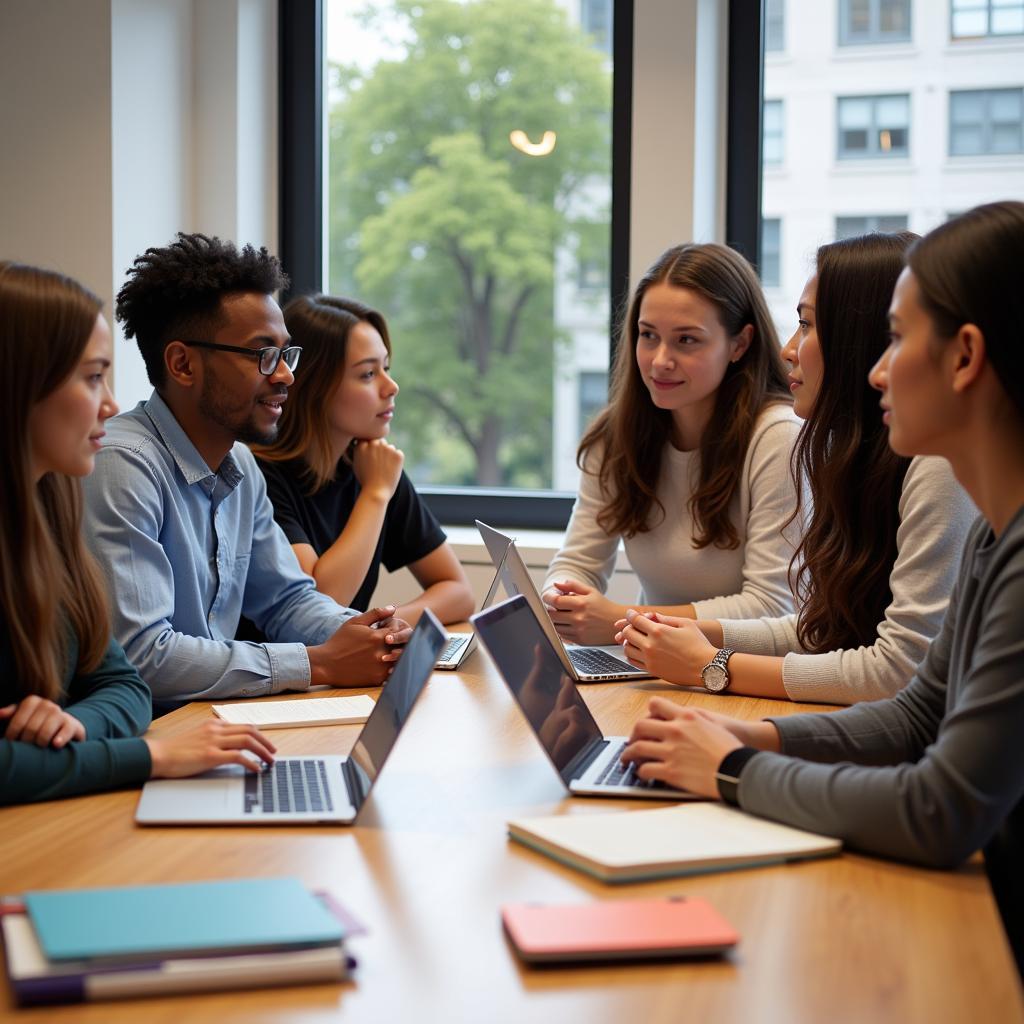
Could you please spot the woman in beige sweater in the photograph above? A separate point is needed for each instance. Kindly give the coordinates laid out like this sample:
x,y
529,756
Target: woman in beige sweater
x,y
689,464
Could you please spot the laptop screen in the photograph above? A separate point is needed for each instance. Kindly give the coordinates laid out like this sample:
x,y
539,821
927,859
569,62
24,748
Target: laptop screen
x,y
545,692
395,703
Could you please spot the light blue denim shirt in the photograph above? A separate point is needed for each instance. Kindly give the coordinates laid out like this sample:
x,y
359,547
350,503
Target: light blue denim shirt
x,y
186,552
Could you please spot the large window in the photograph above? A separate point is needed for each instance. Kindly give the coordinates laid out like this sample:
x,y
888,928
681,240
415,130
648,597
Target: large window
x,y
886,223
986,121
469,200
978,18
873,126
866,22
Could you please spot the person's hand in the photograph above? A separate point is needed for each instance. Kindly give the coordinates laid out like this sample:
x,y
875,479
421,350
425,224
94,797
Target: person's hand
x,y
680,746
670,648
377,465
581,614
360,652
40,721
213,744
761,735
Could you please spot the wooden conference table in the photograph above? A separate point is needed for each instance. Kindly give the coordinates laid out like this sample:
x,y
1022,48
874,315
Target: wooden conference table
x,y
844,939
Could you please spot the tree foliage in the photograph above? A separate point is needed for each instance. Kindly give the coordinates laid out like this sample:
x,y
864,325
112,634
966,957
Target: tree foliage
x,y
439,221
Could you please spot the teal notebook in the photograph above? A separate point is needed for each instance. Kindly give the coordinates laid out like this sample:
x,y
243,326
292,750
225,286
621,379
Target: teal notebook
x,y
197,918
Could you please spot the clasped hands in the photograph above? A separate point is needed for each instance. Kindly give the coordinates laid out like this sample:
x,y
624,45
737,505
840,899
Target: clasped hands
x,y
671,648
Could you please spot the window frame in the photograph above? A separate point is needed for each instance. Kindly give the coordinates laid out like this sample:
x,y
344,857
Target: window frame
x,y
988,33
986,125
875,36
873,153
871,223
301,115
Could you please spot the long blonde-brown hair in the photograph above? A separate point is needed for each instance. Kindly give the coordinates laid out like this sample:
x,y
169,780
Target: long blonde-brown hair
x,y
320,324
631,433
48,580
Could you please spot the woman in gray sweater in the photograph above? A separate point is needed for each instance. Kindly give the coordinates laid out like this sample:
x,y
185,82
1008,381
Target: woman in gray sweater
x,y
935,772
878,559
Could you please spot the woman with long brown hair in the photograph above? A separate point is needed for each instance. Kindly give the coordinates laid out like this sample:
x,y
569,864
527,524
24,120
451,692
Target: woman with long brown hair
x,y
878,559
337,486
689,463
71,706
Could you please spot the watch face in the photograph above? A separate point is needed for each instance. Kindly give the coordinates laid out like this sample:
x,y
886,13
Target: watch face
x,y
716,679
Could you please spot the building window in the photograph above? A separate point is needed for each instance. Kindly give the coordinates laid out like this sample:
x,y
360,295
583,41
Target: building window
x,y
596,21
772,137
974,19
868,22
873,126
593,396
774,25
886,223
771,251
986,122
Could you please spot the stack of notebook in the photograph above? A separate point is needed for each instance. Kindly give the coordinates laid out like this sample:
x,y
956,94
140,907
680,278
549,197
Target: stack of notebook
x,y
68,946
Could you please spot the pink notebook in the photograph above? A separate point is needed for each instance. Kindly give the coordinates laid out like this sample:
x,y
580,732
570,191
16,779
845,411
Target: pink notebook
x,y
617,930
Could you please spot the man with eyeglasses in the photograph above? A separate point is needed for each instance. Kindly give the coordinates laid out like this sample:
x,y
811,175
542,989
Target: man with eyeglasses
x,y
177,511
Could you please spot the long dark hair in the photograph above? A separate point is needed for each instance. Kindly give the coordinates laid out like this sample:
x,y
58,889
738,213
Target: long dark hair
x,y
968,272
320,324
632,432
46,574
840,570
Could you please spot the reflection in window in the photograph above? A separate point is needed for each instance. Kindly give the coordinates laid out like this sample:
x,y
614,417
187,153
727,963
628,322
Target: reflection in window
x,y
986,121
873,126
976,18
771,251
774,25
886,223
772,137
863,22
467,244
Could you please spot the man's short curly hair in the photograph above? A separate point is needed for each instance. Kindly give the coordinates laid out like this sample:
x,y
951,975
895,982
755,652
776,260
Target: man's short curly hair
x,y
175,292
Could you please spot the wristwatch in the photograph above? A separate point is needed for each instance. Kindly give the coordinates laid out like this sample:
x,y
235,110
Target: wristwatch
x,y
716,672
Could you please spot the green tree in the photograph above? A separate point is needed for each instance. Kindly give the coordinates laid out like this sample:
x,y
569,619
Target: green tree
x,y
437,219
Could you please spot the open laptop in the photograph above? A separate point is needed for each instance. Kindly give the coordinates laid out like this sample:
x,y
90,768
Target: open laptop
x,y
584,664
586,759
303,790
459,645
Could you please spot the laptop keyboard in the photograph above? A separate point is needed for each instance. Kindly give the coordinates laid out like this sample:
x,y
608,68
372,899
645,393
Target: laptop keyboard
x,y
592,661
287,786
452,648
618,774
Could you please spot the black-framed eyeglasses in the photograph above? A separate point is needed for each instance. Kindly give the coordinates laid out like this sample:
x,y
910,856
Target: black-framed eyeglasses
x,y
269,356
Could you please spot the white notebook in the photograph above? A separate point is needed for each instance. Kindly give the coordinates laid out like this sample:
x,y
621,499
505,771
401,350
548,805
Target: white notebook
x,y
633,845
289,714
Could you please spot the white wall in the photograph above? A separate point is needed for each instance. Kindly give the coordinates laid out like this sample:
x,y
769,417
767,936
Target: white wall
x,y
125,121
55,138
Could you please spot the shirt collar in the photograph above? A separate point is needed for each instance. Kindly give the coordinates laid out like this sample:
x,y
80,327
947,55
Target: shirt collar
x,y
190,463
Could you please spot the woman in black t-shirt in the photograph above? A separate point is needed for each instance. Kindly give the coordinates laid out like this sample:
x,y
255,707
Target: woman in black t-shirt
x,y
337,485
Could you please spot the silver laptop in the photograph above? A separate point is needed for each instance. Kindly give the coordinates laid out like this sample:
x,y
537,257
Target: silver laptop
x,y
584,664
587,760
303,790
458,645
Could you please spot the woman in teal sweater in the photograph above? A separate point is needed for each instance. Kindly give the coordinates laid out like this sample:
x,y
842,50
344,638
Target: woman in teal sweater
x,y
71,706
